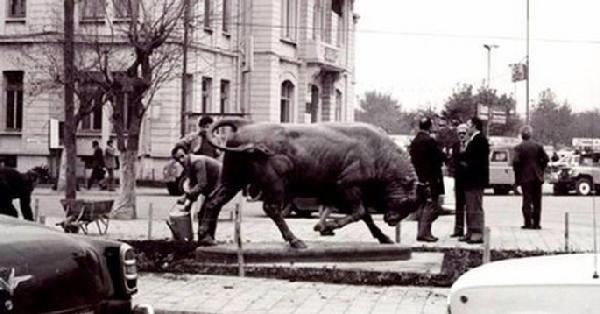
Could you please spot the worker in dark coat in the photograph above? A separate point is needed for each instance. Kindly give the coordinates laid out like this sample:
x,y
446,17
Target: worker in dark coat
x,y
202,174
427,158
529,162
14,184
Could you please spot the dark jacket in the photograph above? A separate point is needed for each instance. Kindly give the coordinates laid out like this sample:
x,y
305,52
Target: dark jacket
x,y
529,162
475,159
98,159
14,184
203,173
428,158
456,166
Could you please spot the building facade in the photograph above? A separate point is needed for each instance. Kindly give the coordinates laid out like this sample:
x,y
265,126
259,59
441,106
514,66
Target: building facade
x,y
270,60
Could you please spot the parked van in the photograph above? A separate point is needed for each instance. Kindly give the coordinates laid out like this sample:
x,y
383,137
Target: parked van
x,y
502,175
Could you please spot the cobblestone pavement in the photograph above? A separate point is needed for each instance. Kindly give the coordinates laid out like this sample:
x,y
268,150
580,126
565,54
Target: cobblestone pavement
x,y
224,294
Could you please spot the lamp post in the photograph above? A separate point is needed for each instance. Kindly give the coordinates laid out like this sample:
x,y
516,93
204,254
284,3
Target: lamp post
x,y
527,71
488,48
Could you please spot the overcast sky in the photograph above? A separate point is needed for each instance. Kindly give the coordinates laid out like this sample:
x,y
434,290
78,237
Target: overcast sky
x,y
419,50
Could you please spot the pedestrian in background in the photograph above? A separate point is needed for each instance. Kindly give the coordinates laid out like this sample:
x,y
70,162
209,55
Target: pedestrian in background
x,y
458,171
97,175
427,158
529,162
110,162
477,177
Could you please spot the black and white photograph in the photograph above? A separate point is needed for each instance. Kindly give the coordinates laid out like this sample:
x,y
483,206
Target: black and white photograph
x,y
299,156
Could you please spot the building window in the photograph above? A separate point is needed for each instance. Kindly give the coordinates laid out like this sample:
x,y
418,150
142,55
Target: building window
x,y
207,14
316,19
90,102
126,103
93,120
287,98
92,9
8,161
338,105
125,9
224,103
288,19
206,93
338,15
17,8
226,15
14,99
189,91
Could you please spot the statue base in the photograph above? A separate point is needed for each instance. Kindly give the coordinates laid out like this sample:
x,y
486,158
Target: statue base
x,y
279,252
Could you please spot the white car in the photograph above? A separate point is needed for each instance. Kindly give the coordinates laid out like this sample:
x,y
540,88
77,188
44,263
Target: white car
x,y
546,284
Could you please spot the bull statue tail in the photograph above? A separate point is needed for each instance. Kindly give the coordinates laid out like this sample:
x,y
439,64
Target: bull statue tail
x,y
235,124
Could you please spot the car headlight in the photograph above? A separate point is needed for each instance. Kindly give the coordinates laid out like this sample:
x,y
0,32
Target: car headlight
x,y
573,173
128,268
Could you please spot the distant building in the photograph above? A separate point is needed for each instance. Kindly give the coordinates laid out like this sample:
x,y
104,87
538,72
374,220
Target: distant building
x,y
272,60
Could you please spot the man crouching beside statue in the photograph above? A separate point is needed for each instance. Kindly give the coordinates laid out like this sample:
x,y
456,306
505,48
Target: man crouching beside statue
x,y
201,173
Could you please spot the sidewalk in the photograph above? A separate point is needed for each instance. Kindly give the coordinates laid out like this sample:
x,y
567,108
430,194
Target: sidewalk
x,y
170,293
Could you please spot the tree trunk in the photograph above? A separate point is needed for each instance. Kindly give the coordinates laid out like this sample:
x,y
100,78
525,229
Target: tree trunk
x,y
70,121
125,207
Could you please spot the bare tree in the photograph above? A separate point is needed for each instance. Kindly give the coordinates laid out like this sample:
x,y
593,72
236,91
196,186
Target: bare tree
x,y
122,61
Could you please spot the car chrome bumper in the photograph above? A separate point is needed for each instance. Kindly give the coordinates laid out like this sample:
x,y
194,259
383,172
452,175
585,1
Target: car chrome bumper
x,y
143,309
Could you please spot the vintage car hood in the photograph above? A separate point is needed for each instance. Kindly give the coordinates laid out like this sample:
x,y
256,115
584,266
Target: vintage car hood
x,y
565,269
41,268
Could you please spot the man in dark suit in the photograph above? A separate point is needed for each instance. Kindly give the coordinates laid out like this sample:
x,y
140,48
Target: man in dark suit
x,y
427,158
477,177
529,162
458,172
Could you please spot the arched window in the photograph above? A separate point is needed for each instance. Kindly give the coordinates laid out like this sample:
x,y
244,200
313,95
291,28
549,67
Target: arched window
x,y
287,101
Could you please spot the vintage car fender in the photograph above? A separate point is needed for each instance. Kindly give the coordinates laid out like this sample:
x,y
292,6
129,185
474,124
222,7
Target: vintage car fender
x,y
45,271
547,284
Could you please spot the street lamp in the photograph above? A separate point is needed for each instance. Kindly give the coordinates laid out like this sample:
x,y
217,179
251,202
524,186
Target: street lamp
x,y
488,48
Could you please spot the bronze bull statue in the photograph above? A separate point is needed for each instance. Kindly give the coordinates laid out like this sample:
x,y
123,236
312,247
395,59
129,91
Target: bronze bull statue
x,y
345,165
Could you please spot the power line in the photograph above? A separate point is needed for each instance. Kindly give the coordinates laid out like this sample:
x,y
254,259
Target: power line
x,y
435,35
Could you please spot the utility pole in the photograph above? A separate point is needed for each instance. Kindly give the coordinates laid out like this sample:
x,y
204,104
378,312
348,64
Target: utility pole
x,y
69,109
488,82
184,87
527,71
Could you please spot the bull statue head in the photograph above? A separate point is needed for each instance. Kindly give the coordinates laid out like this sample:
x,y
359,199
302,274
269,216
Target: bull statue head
x,y
401,201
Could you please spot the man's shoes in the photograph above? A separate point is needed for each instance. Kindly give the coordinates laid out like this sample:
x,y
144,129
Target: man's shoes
x,y
427,239
474,241
526,227
464,238
537,227
457,235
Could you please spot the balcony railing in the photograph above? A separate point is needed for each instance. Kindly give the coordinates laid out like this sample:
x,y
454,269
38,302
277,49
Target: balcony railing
x,y
326,55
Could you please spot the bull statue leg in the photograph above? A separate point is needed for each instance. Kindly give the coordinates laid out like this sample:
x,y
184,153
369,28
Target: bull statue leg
x,y
352,199
209,213
320,226
273,205
375,231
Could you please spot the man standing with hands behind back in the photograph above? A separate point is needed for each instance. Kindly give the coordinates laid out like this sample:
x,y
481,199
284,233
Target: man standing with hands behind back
x,y
477,177
529,162
427,158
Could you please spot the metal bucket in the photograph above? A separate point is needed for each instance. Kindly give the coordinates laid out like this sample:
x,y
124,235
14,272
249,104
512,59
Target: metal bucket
x,y
180,223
